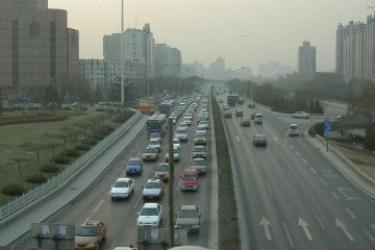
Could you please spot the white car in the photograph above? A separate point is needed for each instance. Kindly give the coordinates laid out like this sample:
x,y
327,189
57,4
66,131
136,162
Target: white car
x,y
293,129
151,215
203,124
156,143
150,154
301,115
122,188
153,189
176,144
182,134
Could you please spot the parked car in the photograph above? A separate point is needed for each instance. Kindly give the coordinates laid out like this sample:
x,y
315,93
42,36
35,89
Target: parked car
x,y
189,218
200,165
301,115
293,129
245,123
199,152
260,140
90,235
122,188
153,189
189,180
150,154
151,215
161,171
134,166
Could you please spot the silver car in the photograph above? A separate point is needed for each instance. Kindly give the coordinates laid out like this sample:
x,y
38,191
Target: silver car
x,y
189,218
200,165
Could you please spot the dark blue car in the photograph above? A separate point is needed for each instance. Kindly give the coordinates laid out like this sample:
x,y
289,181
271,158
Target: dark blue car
x,y
134,167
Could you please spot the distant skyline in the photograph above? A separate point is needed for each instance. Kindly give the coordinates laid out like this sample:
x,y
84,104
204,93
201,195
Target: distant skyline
x,y
244,32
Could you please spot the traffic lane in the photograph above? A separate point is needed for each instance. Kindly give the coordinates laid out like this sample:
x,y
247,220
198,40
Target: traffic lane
x,y
258,204
332,211
283,197
83,206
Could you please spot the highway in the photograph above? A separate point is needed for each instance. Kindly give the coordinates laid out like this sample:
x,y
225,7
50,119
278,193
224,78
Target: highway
x,y
120,216
292,197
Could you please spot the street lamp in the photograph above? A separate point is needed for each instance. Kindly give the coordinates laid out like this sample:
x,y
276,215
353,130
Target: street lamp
x,y
122,56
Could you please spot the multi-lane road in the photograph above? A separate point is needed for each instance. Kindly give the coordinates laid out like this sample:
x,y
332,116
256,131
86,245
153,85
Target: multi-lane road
x,y
121,216
291,196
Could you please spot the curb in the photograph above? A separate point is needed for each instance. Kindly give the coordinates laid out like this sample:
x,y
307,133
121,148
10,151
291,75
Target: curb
x,y
348,169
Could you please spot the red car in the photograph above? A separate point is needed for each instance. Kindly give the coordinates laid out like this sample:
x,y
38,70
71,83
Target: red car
x,y
189,180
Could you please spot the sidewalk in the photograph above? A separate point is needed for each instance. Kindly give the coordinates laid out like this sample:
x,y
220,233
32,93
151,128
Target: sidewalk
x,y
12,230
344,164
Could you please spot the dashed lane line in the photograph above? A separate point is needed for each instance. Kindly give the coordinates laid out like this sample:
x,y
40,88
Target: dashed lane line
x,y
318,218
335,196
351,213
98,206
288,235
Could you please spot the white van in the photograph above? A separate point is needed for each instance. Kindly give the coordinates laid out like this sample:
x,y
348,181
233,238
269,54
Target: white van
x,y
258,118
293,129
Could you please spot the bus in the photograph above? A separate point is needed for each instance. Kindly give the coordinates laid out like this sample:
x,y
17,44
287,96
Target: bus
x,y
146,108
167,107
156,124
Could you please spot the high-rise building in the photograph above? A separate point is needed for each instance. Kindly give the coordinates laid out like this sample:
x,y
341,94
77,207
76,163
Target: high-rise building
x,y
306,61
355,50
93,71
217,69
139,45
168,61
36,47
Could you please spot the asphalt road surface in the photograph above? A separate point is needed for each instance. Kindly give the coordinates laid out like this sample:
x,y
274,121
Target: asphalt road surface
x,y
121,216
293,198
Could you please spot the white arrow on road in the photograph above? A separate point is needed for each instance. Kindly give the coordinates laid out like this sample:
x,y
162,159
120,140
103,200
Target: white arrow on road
x,y
342,225
304,226
266,227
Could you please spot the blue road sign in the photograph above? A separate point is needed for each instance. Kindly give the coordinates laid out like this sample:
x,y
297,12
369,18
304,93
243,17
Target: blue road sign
x,y
327,127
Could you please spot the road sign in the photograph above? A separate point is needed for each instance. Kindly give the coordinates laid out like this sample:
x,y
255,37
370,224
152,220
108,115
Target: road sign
x,y
327,127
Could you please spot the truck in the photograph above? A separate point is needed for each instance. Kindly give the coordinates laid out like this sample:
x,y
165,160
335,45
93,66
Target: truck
x,y
232,100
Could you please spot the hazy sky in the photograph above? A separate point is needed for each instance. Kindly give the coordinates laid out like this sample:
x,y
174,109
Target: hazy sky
x,y
244,32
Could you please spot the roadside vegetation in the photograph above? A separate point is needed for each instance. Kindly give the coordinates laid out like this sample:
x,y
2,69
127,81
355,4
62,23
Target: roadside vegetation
x,y
36,145
229,235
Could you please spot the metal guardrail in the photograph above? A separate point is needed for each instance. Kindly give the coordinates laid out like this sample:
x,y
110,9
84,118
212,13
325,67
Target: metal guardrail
x,y
78,165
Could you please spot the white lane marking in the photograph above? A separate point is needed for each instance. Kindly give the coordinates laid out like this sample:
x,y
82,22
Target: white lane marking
x,y
304,161
335,195
288,235
237,138
368,234
348,193
98,206
138,201
275,139
304,226
324,183
318,218
298,154
313,170
342,225
351,213
266,227
269,188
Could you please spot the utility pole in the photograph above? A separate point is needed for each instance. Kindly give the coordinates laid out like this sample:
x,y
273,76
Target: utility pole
x,y
122,56
171,184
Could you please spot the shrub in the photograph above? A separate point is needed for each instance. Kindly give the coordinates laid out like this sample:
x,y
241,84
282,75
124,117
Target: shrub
x,y
49,168
124,116
71,153
62,159
13,190
82,147
36,178
90,141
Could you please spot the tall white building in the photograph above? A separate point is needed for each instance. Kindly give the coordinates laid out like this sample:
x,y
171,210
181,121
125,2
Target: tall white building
x,y
93,71
139,59
355,50
306,61
168,61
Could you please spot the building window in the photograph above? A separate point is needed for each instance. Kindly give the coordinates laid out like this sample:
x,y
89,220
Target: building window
x,y
34,29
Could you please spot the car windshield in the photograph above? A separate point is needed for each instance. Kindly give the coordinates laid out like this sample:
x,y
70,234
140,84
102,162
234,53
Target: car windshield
x,y
162,168
199,149
199,162
152,185
86,231
121,184
190,176
150,150
187,213
134,162
149,212
155,143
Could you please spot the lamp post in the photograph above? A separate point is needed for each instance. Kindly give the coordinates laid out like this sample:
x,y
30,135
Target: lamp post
x,y
122,55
